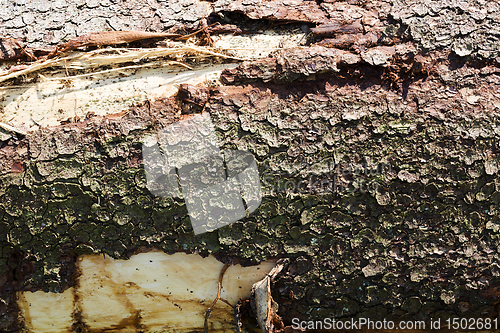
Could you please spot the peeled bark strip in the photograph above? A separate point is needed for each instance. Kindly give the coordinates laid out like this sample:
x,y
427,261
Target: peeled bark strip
x,y
378,165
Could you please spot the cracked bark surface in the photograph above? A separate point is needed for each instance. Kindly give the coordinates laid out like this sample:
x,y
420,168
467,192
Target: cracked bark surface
x,y
379,164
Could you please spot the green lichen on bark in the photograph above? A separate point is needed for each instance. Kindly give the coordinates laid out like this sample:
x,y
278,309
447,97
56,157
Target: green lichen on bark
x,y
380,183
424,226
386,201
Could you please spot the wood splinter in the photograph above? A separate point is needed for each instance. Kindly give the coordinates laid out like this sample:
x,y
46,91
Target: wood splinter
x,y
219,286
107,38
12,129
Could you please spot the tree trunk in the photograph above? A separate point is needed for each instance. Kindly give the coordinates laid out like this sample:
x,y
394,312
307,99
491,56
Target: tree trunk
x,y
376,142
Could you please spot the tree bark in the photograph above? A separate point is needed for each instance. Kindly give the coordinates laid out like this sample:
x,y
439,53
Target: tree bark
x,y
378,163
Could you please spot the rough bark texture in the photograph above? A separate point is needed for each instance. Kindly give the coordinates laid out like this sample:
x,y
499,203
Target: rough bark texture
x,y
379,164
